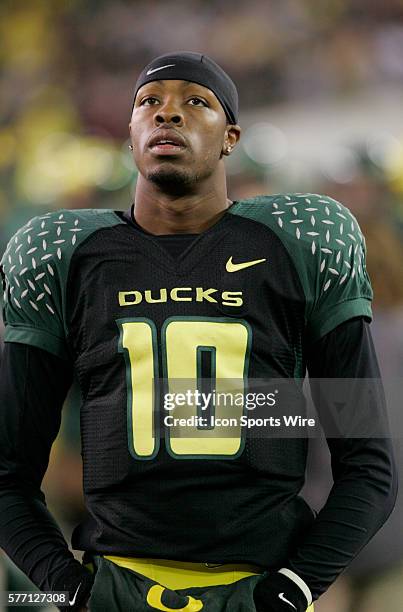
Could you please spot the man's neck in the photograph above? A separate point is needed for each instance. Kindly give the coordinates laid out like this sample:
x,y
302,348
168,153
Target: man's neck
x,y
160,213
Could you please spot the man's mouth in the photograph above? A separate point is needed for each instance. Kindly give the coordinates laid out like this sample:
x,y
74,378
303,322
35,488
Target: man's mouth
x,y
166,144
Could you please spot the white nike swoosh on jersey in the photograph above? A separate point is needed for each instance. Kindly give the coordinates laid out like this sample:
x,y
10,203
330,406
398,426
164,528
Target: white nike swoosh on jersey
x,y
73,601
160,68
281,596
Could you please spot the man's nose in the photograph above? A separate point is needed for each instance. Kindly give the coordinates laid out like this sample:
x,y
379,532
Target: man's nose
x,y
168,113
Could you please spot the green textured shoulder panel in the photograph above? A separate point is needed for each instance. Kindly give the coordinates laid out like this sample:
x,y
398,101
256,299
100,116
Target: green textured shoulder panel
x,y
324,241
312,227
35,268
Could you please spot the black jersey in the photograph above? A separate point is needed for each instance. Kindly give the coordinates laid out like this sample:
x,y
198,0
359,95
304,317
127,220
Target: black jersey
x,y
247,298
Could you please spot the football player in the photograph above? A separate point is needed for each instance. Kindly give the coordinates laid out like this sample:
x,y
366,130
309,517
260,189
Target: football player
x,y
186,285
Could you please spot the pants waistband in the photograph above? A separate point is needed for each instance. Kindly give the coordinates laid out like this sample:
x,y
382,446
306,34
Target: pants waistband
x,y
183,574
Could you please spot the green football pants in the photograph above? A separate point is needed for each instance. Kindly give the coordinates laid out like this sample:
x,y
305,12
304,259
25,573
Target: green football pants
x,y
118,589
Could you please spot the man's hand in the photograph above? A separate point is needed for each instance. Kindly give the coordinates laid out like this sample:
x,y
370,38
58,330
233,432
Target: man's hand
x,y
77,580
278,593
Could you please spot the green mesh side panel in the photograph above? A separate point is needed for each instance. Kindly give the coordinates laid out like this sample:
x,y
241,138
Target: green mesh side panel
x,y
328,250
34,268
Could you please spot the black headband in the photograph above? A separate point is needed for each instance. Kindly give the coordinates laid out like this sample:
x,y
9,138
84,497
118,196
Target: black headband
x,y
196,68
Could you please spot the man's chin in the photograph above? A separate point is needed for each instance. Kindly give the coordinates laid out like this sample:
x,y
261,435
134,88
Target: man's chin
x,y
171,179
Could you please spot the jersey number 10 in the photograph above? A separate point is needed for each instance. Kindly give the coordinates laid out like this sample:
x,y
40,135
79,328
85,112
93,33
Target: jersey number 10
x,y
183,339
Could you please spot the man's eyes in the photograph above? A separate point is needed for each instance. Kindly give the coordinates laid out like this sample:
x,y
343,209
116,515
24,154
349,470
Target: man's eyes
x,y
193,101
196,101
149,101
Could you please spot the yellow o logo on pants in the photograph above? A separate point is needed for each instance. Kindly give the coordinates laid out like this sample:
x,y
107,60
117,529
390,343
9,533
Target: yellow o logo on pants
x,y
154,600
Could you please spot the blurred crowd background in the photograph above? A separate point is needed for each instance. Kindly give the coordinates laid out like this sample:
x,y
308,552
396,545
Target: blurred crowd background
x,y
321,97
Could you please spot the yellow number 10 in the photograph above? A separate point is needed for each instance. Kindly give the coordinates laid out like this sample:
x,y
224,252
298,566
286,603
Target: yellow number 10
x,y
182,339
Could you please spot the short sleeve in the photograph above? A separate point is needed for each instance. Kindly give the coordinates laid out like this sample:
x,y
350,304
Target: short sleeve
x,y
342,286
327,248
32,288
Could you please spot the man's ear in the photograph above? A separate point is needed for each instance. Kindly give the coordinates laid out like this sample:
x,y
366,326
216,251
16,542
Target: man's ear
x,y
231,137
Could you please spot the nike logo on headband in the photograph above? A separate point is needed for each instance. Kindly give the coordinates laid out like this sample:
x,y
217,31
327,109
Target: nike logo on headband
x,y
160,68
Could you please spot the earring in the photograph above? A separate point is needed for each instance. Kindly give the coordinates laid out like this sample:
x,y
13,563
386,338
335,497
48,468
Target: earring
x,y
131,147
229,149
